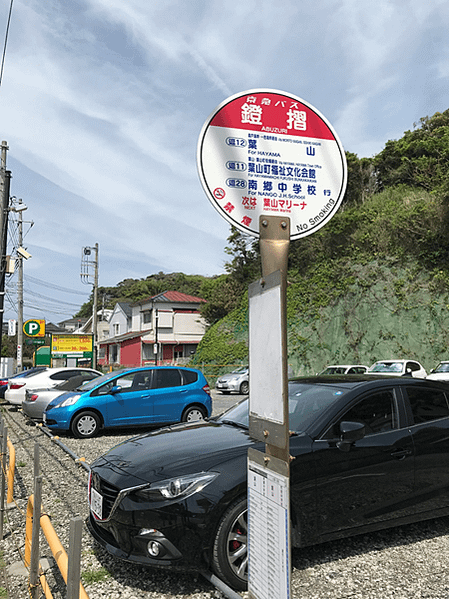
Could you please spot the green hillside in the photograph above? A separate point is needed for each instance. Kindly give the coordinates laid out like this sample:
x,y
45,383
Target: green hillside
x,y
374,282
374,285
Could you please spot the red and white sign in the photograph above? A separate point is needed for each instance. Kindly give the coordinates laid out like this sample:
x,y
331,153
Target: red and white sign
x,y
269,152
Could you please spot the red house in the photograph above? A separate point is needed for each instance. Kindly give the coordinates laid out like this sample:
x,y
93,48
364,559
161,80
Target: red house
x,y
163,329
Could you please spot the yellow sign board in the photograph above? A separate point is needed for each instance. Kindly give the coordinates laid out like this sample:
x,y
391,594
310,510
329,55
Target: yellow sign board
x,y
67,344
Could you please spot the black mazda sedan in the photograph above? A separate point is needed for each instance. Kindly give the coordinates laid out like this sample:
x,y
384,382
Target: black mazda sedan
x,y
369,453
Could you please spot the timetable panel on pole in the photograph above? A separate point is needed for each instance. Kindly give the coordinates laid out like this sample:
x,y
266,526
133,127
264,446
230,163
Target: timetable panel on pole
x,y
268,519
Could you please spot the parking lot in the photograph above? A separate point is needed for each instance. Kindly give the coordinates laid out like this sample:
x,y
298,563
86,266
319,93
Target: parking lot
x,y
407,562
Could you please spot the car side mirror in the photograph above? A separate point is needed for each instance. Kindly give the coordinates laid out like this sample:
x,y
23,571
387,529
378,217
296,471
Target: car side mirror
x,y
350,432
115,389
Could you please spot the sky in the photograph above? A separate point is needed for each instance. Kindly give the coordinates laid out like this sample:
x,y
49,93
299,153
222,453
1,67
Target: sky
x,y
102,103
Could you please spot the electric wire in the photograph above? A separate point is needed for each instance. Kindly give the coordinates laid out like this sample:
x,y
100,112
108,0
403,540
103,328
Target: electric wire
x,y
6,41
45,297
53,286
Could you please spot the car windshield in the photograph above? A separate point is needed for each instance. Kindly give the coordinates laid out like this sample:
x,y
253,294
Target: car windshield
x,y
100,380
442,367
240,370
305,403
387,367
31,372
334,370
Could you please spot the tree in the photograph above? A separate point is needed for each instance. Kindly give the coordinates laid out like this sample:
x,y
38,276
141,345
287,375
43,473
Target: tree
x,y
222,295
244,267
361,180
419,159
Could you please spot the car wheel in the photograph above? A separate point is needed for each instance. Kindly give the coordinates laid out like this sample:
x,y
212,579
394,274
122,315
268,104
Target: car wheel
x,y
85,425
193,413
230,554
244,388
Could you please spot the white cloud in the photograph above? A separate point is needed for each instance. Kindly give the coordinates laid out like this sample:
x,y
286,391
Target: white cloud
x,y
102,103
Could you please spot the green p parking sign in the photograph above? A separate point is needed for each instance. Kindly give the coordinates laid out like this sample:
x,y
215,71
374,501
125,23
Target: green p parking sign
x,y
34,328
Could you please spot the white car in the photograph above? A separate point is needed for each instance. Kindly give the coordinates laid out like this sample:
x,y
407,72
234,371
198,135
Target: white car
x,y
344,369
41,379
440,373
398,368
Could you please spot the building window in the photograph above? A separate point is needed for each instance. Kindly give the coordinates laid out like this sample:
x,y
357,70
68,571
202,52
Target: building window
x,y
113,354
178,352
116,329
146,316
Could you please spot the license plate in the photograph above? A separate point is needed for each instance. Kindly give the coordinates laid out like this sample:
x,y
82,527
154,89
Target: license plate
x,y
96,503
44,417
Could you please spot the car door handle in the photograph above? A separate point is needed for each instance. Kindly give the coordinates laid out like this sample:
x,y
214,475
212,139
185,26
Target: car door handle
x,y
400,454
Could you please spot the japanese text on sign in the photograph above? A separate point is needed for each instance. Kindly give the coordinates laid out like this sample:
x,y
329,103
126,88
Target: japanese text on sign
x,y
271,153
71,343
268,539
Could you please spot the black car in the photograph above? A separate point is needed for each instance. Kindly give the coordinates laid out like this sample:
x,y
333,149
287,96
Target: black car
x,y
369,453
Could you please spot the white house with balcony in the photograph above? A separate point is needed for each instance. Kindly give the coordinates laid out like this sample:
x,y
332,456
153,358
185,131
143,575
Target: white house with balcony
x,y
163,329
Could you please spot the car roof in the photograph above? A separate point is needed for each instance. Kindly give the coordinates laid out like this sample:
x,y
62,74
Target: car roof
x,y
398,360
353,380
344,365
149,367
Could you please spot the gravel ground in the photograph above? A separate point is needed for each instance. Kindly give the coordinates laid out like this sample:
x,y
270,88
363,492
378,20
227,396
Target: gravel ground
x,y
401,563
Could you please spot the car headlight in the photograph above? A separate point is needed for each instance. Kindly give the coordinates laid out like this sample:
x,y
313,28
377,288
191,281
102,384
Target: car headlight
x,y
176,488
68,402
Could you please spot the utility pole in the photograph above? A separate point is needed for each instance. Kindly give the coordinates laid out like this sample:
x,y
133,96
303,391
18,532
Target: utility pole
x,y
20,292
156,340
86,276
6,183
95,310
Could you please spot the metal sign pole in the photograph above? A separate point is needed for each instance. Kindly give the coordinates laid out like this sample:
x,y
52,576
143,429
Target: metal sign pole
x,y
269,473
273,167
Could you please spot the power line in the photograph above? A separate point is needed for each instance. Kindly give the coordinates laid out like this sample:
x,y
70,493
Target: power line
x,y
6,40
52,286
45,297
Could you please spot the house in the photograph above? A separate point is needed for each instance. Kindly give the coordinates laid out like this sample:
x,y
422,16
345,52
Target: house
x,y
103,317
162,329
72,324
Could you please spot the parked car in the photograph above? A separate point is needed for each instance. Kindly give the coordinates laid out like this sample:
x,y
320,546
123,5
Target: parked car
x,y
37,400
236,381
344,369
131,397
369,452
440,373
46,377
398,368
4,380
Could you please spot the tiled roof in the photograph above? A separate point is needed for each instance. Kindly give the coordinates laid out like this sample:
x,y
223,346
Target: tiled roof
x,y
173,296
126,307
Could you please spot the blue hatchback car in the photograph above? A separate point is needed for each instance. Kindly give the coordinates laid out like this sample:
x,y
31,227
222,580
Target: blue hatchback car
x,y
131,398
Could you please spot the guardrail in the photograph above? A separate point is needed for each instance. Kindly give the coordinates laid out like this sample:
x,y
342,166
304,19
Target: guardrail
x,y
7,472
36,519
69,565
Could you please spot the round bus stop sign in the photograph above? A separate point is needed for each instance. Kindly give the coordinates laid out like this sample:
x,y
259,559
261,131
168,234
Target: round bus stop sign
x,y
267,152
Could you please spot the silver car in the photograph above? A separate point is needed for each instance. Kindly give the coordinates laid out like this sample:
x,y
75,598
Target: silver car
x,y
236,381
37,400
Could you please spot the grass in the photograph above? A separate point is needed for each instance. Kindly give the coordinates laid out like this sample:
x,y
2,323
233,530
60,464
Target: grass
x,y
92,576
